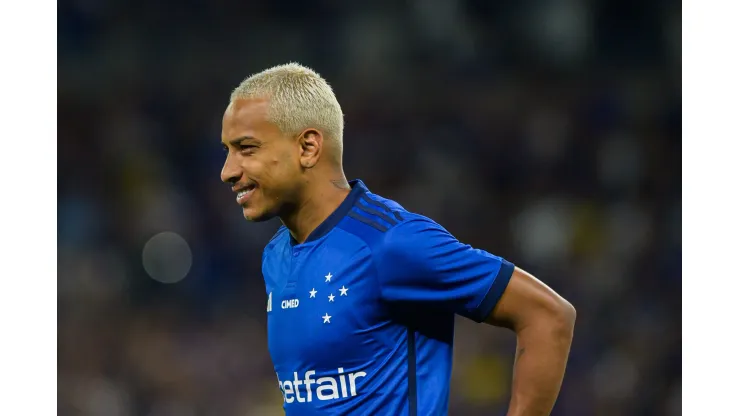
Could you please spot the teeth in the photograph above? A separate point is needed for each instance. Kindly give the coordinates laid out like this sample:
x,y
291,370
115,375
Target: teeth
x,y
243,192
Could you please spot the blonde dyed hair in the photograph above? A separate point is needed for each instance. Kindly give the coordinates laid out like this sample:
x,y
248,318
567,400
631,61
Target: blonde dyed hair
x,y
299,99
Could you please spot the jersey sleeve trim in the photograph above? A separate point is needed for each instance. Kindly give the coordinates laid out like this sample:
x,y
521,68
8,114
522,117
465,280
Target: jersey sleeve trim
x,y
495,292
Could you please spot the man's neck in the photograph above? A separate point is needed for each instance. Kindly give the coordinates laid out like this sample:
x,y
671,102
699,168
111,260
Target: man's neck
x,y
319,201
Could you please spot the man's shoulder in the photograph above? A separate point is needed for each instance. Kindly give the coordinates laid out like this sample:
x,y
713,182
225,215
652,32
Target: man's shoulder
x,y
280,238
383,223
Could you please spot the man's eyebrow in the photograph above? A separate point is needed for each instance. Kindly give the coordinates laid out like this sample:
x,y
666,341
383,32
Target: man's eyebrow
x,y
238,140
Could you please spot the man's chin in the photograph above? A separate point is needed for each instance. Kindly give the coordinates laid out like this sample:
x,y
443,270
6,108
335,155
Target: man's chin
x,y
252,215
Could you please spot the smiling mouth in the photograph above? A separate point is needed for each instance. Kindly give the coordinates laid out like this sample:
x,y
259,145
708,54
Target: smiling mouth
x,y
243,195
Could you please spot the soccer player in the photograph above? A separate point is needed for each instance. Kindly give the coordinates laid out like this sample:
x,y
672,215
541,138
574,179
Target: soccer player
x,y
361,293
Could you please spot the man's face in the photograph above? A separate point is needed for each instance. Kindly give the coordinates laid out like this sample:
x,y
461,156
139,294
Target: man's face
x,y
262,164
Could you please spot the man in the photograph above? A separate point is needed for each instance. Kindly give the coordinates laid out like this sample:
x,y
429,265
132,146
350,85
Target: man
x,y
362,294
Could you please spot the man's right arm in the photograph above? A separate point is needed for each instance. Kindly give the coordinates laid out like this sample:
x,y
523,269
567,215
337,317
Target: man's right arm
x,y
544,324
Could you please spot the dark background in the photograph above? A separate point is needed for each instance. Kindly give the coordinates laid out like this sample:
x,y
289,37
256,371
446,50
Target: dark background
x,y
546,132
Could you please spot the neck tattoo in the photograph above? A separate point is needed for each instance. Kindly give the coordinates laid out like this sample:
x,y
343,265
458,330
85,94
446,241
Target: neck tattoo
x,y
340,183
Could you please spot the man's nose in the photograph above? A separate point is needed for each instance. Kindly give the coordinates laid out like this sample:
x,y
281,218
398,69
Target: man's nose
x,y
231,173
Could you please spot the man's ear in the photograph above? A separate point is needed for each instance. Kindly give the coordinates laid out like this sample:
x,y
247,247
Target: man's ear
x,y
311,142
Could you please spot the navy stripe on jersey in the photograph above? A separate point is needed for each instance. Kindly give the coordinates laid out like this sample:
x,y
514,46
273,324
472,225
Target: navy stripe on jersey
x,y
368,221
495,291
366,211
411,342
376,213
365,198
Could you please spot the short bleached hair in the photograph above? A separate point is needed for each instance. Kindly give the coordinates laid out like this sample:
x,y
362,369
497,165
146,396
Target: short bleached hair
x,y
299,98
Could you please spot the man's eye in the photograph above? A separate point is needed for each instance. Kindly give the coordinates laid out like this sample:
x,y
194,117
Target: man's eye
x,y
247,147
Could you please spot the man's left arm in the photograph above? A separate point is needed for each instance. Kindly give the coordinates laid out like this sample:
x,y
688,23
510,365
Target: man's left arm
x,y
422,263
543,322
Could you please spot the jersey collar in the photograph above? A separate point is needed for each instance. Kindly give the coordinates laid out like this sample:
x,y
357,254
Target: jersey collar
x,y
358,188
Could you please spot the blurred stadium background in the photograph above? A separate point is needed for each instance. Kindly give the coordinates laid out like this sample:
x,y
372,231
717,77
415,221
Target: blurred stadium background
x,y
547,132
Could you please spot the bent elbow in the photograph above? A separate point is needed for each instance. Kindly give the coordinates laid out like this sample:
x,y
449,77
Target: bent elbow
x,y
565,317
568,311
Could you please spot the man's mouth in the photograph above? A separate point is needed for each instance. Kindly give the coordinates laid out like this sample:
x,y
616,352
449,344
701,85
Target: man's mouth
x,y
243,195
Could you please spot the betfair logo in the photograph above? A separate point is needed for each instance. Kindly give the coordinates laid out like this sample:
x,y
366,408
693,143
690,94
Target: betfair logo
x,y
341,385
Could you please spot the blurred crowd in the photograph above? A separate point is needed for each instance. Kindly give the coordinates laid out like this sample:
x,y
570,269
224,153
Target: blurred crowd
x,y
546,132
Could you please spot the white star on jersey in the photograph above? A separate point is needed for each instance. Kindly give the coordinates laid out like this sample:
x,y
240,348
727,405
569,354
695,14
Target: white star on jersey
x,y
313,293
328,277
326,318
344,291
331,298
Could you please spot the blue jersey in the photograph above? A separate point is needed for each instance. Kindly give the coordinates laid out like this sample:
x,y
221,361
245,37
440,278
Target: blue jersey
x,y
360,317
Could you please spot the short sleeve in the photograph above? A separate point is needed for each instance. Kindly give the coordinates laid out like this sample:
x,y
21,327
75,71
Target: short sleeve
x,y
421,262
